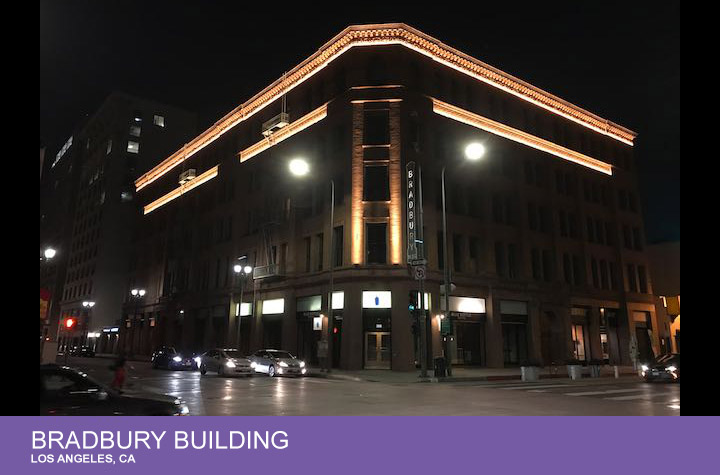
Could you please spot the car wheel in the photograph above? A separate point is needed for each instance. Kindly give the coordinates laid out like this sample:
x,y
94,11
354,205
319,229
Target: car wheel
x,y
271,371
203,369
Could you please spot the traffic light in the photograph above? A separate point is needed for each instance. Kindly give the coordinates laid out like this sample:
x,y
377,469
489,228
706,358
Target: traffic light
x,y
70,323
412,300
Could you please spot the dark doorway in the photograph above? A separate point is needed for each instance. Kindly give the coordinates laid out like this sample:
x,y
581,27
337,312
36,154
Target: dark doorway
x,y
272,333
514,343
470,340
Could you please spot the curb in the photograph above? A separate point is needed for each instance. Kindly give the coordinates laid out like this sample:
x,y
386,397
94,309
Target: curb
x,y
456,379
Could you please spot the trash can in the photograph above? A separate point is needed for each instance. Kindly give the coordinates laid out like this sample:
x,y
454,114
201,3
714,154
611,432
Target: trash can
x,y
439,364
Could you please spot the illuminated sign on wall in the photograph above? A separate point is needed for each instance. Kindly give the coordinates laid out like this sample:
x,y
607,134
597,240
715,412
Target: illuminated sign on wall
x,y
377,299
465,304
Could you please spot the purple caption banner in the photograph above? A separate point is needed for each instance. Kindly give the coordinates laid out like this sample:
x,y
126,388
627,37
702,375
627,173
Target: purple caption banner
x,y
362,445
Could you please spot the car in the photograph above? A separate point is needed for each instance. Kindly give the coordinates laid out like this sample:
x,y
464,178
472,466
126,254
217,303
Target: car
x,y
664,368
272,362
169,358
226,362
65,391
82,351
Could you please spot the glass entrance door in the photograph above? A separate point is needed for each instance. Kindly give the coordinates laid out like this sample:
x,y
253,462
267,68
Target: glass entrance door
x,y
377,350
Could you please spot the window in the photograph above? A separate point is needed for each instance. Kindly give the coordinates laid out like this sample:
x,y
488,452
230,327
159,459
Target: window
x,y
500,263
377,127
547,264
535,259
338,246
632,278
642,278
135,130
319,243
308,253
159,120
376,243
133,147
109,147
457,252
512,261
376,184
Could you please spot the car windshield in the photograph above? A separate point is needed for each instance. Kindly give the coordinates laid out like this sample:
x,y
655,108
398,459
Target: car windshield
x,y
281,354
234,354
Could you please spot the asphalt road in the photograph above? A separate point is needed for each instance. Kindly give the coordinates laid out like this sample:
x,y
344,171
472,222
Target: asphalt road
x,y
260,395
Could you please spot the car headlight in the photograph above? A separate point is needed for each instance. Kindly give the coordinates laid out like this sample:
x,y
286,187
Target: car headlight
x,y
672,369
283,364
644,367
198,361
230,364
302,364
177,359
253,364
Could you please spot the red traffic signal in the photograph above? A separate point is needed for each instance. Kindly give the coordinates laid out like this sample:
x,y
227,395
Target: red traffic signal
x,y
70,323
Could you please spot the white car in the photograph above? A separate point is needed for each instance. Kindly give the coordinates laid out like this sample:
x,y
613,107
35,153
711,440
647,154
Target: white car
x,y
277,362
225,362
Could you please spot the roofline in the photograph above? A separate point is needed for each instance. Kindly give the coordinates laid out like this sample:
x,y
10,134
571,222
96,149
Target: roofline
x,y
388,34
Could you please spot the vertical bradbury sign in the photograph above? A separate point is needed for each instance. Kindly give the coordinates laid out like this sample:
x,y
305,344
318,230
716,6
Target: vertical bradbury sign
x,y
412,251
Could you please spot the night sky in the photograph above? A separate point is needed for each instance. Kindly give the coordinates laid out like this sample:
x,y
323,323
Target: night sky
x,y
618,60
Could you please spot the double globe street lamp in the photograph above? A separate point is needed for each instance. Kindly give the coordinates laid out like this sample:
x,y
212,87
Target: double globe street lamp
x,y
241,271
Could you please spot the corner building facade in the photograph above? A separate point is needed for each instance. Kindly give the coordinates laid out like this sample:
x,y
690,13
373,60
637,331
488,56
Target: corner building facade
x,y
545,251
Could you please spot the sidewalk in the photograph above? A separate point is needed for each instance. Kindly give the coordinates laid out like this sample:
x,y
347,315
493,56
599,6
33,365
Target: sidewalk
x,y
460,374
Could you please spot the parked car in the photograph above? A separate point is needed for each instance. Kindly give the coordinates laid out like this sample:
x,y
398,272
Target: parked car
x,y
169,358
82,351
65,391
272,362
664,368
226,362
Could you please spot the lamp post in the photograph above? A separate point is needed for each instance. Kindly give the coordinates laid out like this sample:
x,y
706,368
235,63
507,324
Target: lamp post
x,y
300,167
137,294
242,272
48,254
473,152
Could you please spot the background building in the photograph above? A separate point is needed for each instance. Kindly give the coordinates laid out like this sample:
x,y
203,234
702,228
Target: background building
x,y
545,235
88,209
665,266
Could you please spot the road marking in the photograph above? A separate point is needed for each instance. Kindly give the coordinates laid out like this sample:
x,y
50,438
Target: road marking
x,y
639,396
612,391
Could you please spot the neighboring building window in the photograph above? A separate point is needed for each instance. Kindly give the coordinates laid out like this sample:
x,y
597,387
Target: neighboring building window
x,y
376,243
376,185
135,130
133,147
159,120
642,278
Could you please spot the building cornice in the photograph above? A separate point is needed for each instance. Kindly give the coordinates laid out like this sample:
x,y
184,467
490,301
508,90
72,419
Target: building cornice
x,y
389,34
470,118
182,189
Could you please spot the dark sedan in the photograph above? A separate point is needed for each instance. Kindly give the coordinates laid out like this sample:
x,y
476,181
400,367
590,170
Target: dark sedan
x,y
664,368
169,358
66,391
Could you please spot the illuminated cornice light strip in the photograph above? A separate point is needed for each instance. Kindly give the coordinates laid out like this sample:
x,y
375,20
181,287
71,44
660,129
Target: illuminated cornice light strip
x,y
286,132
182,189
466,117
388,34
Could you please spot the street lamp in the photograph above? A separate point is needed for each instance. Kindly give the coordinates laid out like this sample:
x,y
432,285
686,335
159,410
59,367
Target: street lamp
x,y
88,304
49,253
473,152
300,167
137,294
242,272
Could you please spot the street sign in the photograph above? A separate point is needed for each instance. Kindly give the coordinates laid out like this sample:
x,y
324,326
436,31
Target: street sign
x,y
412,250
419,272
445,326
418,262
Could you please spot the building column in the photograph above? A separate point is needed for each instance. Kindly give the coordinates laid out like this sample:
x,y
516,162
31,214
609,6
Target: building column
x,y
351,352
289,325
594,334
493,332
403,349
534,331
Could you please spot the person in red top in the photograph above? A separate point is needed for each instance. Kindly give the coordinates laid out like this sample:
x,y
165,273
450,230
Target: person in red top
x,y
119,380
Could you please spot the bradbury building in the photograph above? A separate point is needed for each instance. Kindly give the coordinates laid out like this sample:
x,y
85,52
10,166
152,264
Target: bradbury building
x,y
545,237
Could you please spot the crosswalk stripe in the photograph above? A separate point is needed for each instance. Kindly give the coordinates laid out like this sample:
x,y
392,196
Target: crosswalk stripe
x,y
639,396
612,391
